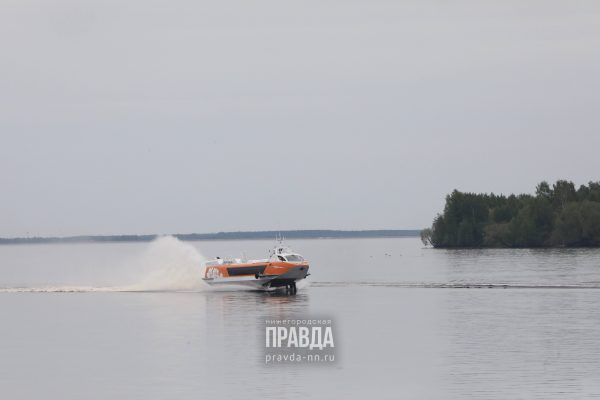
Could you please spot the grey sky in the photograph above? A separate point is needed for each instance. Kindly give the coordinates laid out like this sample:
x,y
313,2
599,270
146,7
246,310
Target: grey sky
x,y
188,116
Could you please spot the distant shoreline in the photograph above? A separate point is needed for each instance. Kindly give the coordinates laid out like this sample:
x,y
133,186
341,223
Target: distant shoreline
x,y
248,235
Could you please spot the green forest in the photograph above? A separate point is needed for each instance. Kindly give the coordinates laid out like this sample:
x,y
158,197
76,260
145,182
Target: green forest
x,y
560,215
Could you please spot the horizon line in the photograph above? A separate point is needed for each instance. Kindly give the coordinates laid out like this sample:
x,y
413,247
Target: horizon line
x,y
224,235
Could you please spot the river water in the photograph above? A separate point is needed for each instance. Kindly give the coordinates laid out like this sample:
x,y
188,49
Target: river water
x,y
134,321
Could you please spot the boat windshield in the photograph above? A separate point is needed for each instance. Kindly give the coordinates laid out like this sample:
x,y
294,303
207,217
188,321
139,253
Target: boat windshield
x,y
294,257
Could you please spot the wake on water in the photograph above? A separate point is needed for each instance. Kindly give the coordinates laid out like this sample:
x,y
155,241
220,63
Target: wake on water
x,y
167,264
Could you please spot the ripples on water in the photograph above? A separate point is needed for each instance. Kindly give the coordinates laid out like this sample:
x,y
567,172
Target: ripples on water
x,y
409,322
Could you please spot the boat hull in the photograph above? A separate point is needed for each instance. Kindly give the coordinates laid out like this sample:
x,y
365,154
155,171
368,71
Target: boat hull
x,y
268,276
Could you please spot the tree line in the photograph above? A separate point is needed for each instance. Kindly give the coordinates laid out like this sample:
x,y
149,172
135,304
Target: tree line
x,y
555,216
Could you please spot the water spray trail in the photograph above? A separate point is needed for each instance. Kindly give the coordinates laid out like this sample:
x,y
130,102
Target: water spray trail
x,y
167,264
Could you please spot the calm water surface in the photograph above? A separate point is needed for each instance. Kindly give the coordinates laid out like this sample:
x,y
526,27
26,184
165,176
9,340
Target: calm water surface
x,y
410,323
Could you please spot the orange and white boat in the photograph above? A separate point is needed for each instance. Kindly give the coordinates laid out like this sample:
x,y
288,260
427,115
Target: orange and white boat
x,y
282,269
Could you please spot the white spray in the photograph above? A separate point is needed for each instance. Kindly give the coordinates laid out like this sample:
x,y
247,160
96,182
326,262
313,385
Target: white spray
x,y
171,265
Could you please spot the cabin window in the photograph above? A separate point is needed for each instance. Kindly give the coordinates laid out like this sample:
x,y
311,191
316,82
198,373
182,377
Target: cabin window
x,y
294,257
281,258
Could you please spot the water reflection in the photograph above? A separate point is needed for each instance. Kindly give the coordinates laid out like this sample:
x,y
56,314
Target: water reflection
x,y
254,304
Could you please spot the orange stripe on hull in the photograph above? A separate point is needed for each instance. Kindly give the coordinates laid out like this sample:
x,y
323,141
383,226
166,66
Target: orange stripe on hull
x,y
270,268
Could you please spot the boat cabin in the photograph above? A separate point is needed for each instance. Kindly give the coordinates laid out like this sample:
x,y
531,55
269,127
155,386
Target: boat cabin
x,y
285,254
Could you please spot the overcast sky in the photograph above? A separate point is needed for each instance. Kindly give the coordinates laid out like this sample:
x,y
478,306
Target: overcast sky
x,y
149,116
